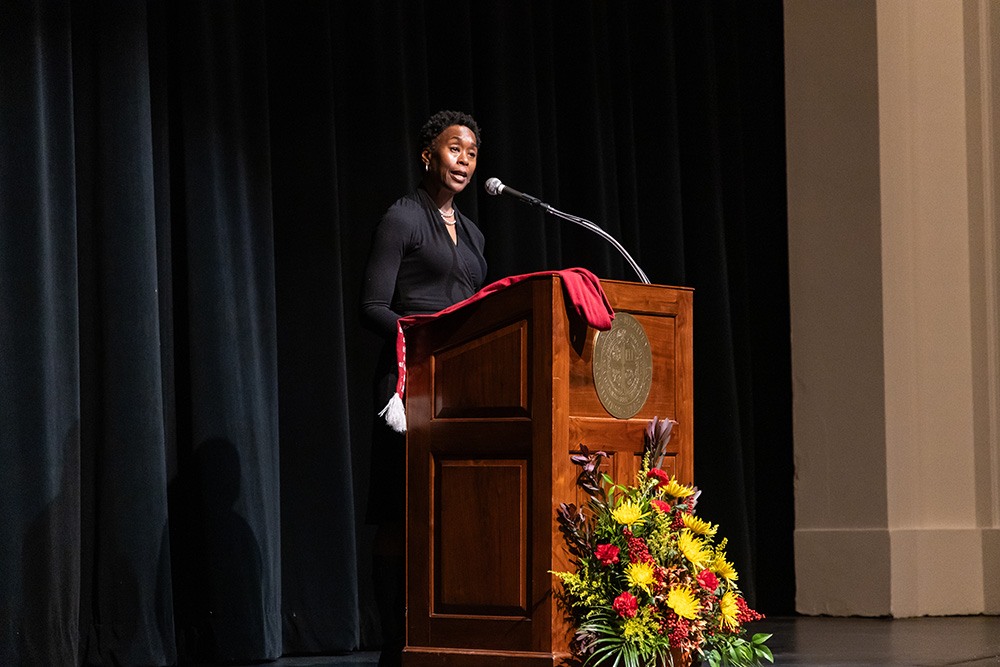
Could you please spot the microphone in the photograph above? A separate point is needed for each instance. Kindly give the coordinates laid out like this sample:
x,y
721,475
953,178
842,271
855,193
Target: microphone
x,y
495,187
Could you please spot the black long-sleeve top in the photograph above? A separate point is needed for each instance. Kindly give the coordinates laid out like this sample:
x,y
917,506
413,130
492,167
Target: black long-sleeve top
x,y
415,268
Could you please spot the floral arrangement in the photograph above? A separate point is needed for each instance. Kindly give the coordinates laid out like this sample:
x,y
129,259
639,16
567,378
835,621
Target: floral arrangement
x,y
651,584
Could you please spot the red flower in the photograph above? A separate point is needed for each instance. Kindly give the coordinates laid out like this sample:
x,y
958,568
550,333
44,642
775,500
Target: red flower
x,y
660,505
662,478
626,605
708,580
607,554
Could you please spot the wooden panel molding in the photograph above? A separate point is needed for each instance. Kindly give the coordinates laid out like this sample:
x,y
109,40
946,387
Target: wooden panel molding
x,y
480,537
499,387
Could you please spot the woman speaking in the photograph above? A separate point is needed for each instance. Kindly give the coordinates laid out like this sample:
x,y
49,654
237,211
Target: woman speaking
x,y
425,256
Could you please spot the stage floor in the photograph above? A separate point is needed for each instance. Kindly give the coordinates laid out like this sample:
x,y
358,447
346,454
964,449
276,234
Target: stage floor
x,y
968,641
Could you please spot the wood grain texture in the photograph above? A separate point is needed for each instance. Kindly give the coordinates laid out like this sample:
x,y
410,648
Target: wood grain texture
x,y
480,516
500,389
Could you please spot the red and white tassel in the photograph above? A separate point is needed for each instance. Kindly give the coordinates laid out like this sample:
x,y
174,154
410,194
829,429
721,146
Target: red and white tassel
x,y
395,410
395,414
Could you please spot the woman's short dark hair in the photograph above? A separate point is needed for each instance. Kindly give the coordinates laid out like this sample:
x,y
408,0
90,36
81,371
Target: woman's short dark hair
x,y
441,121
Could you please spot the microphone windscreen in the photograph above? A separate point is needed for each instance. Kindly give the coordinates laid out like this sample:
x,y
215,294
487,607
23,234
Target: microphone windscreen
x,y
494,186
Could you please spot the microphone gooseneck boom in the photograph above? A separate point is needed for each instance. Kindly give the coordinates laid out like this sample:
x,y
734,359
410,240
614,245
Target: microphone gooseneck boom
x,y
495,187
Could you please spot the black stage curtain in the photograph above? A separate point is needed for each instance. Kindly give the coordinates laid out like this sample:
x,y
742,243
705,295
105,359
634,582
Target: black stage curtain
x,y
187,192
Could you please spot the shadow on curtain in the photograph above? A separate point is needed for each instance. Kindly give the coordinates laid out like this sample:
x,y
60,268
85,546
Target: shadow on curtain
x,y
187,192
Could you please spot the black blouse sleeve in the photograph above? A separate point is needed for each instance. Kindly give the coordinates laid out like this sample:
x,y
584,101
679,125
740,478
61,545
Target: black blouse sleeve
x,y
388,247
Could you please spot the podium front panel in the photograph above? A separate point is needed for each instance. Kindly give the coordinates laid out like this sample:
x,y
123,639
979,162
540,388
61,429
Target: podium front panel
x,y
499,393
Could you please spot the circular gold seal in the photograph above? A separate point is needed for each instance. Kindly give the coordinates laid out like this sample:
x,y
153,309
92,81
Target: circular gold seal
x,y
623,366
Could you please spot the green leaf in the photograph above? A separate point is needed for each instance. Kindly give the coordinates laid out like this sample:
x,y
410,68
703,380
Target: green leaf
x,y
760,638
765,652
614,641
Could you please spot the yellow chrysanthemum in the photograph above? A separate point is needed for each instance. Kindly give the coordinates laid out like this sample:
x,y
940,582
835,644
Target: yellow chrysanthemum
x,y
683,602
693,549
628,513
640,575
724,568
699,526
676,489
729,611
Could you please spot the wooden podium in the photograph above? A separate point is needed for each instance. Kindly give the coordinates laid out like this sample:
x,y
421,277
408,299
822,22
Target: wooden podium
x,y
499,393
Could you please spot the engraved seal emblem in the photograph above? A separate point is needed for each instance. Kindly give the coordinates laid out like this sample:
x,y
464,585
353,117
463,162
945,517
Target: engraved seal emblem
x,y
623,366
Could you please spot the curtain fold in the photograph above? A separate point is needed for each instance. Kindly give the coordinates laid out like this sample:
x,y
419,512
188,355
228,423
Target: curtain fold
x,y
318,513
39,360
187,194
227,512
126,616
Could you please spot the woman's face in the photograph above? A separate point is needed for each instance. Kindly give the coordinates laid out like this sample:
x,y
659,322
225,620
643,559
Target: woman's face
x,y
451,159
